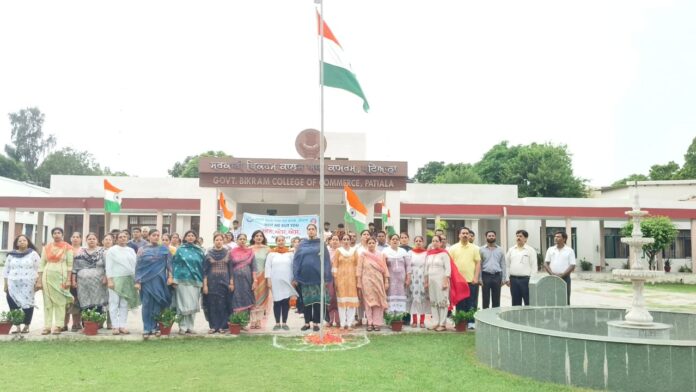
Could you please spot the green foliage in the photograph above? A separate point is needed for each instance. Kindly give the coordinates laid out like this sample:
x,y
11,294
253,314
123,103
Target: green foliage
x,y
458,173
463,316
390,317
585,265
12,169
664,172
28,141
631,178
660,228
93,316
428,173
538,170
189,167
167,317
14,317
685,268
688,171
241,318
668,171
67,161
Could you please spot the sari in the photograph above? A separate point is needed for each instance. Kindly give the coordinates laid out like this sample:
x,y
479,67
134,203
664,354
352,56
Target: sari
x,y
151,270
306,268
261,291
243,268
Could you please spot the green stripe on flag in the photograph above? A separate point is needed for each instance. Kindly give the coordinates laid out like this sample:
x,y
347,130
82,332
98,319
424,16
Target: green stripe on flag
x,y
111,206
344,79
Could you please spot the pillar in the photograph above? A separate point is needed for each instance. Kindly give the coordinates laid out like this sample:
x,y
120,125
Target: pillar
x,y
208,214
160,220
693,244
602,261
569,231
172,223
85,224
107,222
474,225
38,233
504,233
543,245
11,227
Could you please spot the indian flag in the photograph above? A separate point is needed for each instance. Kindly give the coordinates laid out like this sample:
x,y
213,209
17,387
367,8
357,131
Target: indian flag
x,y
356,213
112,197
386,221
336,67
226,221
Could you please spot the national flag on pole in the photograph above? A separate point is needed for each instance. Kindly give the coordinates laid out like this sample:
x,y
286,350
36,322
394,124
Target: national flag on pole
x,y
356,213
386,221
336,67
112,197
226,221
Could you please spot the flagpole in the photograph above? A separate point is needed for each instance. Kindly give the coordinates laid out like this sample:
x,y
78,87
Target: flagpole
x,y
322,248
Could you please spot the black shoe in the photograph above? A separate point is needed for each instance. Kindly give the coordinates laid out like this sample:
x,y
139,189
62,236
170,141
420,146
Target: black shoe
x,y
316,328
304,328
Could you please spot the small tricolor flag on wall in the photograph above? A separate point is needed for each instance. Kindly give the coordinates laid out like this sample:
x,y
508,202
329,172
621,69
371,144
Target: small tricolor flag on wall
x,y
226,218
112,197
356,213
336,67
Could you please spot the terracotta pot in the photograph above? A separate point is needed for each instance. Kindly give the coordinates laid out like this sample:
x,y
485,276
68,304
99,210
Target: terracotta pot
x,y
598,268
235,329
396,326
5,328
165,330
461,326
667,269
90,328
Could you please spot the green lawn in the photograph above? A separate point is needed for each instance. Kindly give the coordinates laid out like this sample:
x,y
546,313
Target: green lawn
x,y
669,287
407,362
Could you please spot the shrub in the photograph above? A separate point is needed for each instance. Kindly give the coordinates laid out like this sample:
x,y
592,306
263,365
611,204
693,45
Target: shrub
x,y
241,318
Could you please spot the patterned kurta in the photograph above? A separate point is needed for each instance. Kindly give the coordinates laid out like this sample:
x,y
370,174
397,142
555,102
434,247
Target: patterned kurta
x,y
371,273
21,271
344,266
420,303
398,262
437,267
90,269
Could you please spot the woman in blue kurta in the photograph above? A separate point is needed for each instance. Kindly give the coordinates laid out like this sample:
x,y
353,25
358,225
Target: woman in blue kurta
x,y
152,275
307,271
187,274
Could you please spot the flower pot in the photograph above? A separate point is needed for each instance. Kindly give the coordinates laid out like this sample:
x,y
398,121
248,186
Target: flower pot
x,y
396,326
5,328
668,268
461,326
598,268
164,330
235,329
90,328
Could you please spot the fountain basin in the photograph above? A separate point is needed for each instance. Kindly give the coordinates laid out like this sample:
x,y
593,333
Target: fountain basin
x,y
570,345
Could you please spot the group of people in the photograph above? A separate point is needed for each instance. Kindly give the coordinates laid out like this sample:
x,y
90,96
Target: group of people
x,y
365,277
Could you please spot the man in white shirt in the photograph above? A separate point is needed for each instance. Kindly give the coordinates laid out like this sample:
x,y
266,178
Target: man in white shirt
x,y
521,261
560,259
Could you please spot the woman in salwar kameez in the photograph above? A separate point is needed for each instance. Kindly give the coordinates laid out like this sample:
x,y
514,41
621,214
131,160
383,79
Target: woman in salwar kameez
x,y
54,278
343,267
243,275
89,276
261,249
152,276
187,274
399,264
120,274
332,309
437,275
20,274
420,303
218,285
306,268
279,278
373,282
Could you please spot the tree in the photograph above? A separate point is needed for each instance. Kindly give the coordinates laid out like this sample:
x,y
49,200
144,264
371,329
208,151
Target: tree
x,y
458,173
28,142
497,164
632,177
67,161
660,228
428,173
664,172
688,171
189,167
12,169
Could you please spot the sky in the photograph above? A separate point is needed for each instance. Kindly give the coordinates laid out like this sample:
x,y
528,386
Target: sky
x,y
143,84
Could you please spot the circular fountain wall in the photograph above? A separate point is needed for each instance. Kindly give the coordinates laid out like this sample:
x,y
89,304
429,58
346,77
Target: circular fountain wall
x,y
569,345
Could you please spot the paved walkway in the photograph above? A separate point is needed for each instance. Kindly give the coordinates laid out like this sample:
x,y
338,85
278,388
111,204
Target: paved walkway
x,y
586,293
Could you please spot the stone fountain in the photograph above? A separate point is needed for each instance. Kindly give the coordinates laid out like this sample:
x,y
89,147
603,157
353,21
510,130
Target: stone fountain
x,y
637,323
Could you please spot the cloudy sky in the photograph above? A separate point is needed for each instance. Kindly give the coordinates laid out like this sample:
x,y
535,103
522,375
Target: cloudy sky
x,y
142,84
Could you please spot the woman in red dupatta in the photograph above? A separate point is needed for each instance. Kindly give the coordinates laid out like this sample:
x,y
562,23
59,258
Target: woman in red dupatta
x,y
373,282
442,284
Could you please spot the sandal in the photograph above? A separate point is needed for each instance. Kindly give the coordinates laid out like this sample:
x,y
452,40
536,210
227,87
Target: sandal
x,y
422,325
370,328
57,331
115,332
376,329
157,333
211,331
25,329
123,331
46,331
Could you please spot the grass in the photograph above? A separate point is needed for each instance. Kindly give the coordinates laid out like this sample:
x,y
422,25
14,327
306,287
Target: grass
x,y
668,287
407,362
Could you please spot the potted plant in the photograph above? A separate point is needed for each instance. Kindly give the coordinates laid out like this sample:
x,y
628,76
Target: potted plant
x,y
237,321
585,265
16,318
92,320
5,323
166,319
462,318
668,266
395,320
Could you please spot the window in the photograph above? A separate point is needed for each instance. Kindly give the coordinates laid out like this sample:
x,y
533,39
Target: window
x,y
613,248
680,248
150,221
551,231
